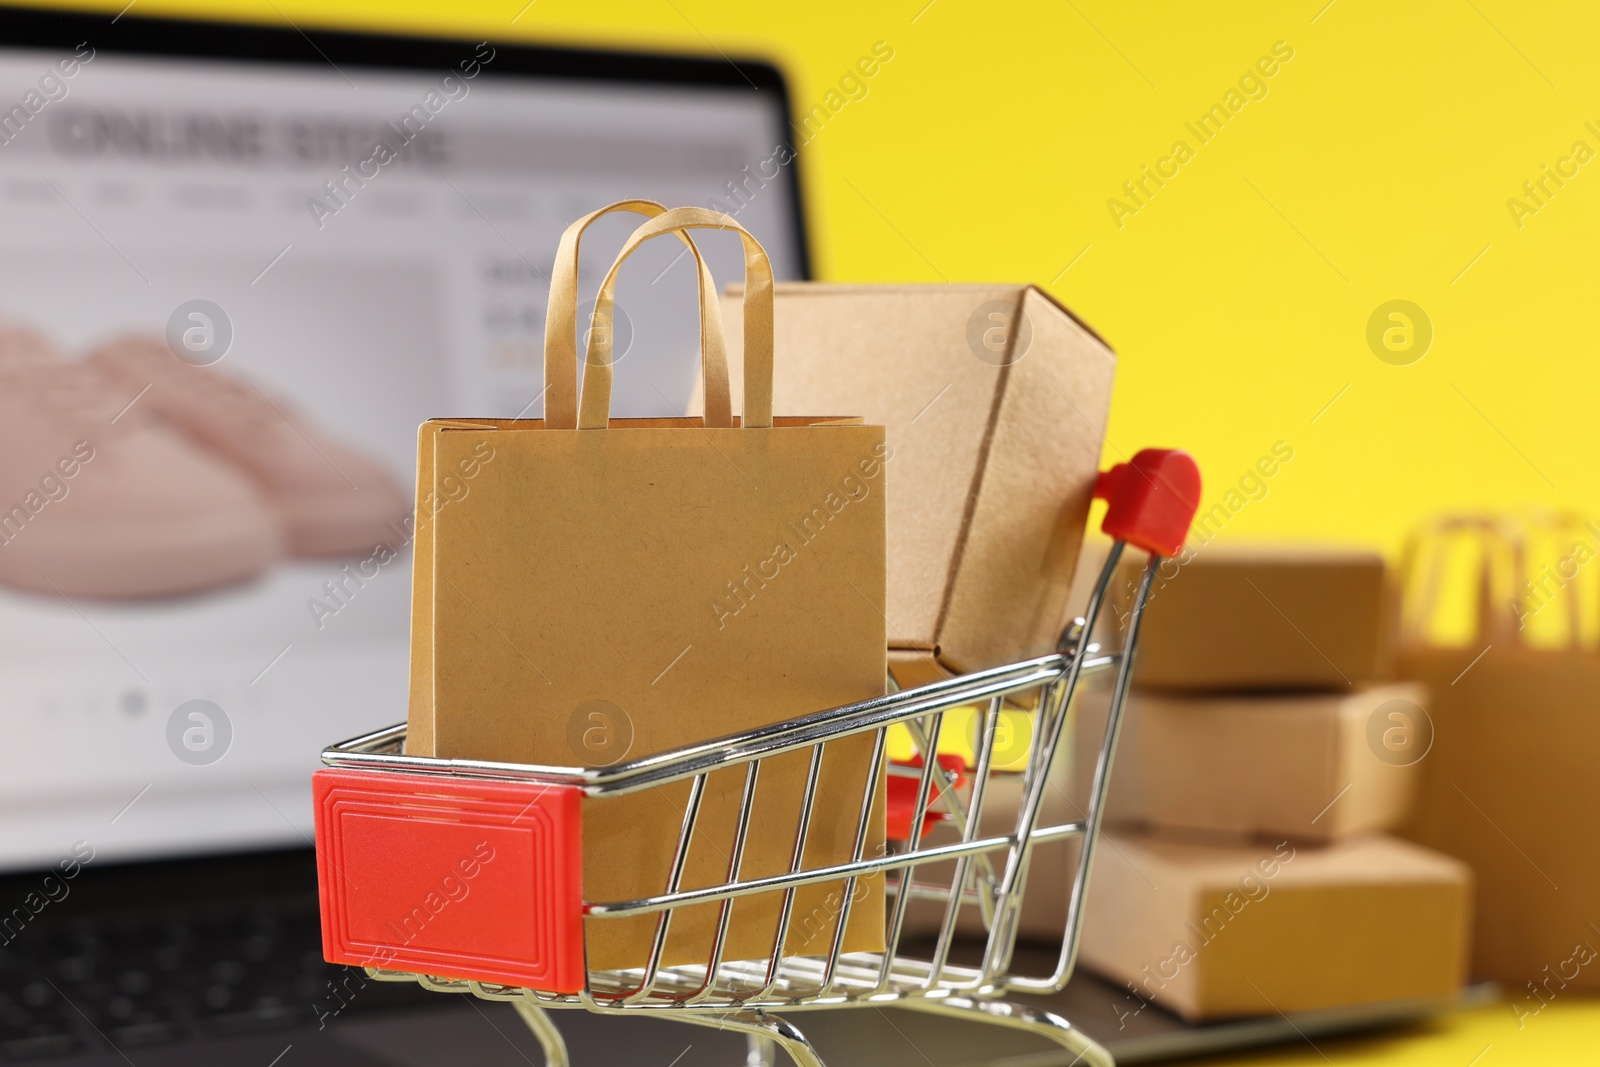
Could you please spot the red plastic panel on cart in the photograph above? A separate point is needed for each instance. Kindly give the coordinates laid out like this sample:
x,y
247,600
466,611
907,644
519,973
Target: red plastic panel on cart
x,y
903,795
454,878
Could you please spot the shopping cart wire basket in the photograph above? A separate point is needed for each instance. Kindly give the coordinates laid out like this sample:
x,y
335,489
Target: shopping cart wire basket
x,y
405,844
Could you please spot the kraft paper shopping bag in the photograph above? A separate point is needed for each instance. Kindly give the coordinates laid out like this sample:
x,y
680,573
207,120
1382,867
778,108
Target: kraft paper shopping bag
x,y
610,588
439,486
1508,759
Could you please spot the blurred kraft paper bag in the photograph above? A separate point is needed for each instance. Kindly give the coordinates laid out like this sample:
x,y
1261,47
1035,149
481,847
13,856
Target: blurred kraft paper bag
x,y
1510,784
611,588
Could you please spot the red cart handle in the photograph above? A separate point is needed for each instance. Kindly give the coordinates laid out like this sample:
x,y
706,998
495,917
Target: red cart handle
x,y
1153,500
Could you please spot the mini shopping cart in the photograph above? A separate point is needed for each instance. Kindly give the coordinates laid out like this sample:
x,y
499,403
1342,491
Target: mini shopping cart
x,y
388,822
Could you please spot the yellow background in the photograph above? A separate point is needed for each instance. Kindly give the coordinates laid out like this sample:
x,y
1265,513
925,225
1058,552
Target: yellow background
x,y
1377,167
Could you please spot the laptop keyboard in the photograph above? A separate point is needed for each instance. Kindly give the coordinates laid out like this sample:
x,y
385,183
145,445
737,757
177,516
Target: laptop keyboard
x,y
211,959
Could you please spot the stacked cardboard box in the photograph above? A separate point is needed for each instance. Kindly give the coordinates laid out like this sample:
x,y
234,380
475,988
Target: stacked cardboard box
x,y
1263,759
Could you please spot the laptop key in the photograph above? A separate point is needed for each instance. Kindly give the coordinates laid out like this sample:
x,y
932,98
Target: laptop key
x,y
144,977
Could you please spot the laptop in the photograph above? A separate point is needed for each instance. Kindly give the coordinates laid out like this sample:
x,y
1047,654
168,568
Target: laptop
x,y
205,580
350,234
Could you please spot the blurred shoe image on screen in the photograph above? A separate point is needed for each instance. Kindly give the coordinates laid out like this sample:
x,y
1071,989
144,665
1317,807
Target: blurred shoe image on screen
x,y
332,499
135,509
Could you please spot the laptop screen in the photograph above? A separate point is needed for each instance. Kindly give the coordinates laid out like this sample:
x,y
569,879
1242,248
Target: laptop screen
x,y
230,289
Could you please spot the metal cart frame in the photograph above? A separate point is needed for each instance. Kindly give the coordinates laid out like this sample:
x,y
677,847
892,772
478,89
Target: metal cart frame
x,y
1152,501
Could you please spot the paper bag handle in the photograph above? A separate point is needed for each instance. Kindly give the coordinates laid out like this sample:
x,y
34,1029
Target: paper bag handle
x,y
1503,541
560,326
1422,564
595,410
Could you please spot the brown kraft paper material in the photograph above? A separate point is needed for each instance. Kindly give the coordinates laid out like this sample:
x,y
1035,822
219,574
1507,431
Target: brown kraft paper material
x,y
611,588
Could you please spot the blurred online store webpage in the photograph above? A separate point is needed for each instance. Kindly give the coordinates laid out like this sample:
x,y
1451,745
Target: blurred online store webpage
x,y
364,290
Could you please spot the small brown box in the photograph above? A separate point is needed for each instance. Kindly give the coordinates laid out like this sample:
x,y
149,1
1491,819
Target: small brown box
x,y
1304,766
1210,931
1261,617
995,398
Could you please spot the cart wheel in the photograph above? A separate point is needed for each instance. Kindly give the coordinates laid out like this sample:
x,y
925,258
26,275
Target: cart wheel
x,y
761,1052
544,1028
1044,1024
762,1032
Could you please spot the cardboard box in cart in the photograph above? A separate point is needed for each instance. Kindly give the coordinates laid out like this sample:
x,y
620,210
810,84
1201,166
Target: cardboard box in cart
x,y
995,398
